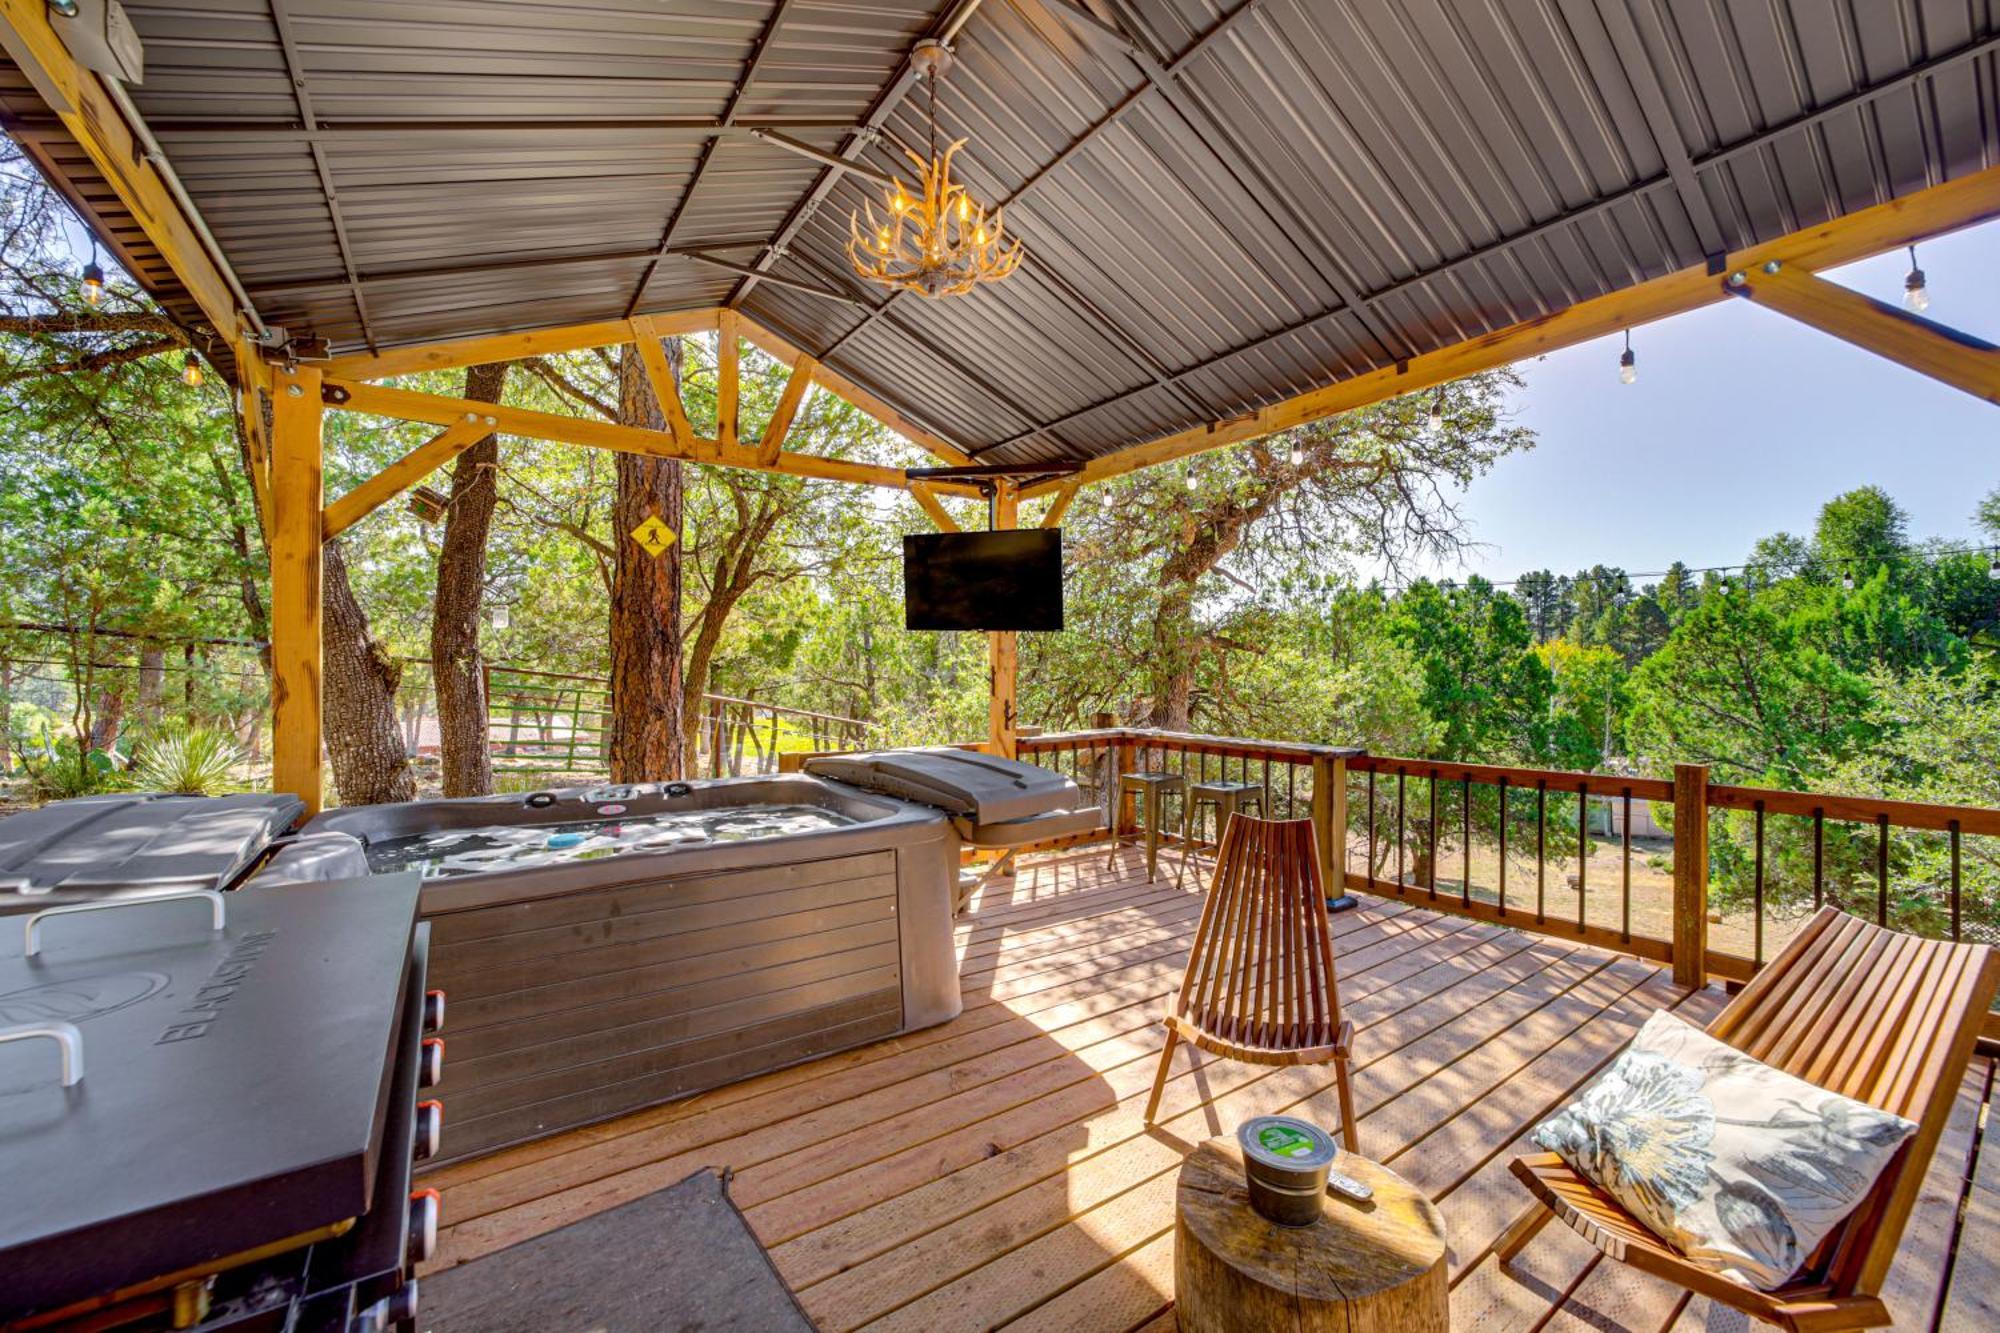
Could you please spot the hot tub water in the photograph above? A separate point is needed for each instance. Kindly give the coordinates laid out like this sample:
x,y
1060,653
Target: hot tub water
x,y
449,853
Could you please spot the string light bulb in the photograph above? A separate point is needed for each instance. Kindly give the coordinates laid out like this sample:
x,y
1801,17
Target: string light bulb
x,y
1298,454
93,278
191,371
1847,580
1916,296
1725,585
1436,419
1628,364
1993,570
1194,482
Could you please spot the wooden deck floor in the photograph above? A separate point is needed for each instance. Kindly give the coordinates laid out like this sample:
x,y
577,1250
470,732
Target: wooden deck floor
x,y
994,1171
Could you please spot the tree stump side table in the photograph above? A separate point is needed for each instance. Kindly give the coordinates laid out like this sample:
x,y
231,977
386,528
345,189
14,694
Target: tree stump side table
x,y
1377,1267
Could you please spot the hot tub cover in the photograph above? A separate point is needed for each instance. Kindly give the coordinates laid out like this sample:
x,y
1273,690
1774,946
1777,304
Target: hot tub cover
x,y
134,845
979,788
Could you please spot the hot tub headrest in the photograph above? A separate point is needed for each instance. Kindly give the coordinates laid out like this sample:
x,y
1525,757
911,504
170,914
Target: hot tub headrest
x,y
982,788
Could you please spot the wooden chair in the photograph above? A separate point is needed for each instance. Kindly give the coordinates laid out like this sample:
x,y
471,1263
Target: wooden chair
x,y
1881,1017
1259,984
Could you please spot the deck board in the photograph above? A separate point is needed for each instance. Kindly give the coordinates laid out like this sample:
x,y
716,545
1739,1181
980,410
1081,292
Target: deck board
x,y
995,1170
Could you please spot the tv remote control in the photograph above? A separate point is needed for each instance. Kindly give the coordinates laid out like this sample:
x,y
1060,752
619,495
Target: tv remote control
x,y
1349,1186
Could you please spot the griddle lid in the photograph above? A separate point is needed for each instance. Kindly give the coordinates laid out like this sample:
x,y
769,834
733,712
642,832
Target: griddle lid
x,y
981,788
134,844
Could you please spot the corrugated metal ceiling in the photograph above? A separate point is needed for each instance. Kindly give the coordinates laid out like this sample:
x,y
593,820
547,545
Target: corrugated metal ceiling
x,y
1224,203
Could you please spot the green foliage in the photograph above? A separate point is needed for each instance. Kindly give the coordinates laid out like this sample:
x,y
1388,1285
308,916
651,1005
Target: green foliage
x,y
187,761
58,770
1481,681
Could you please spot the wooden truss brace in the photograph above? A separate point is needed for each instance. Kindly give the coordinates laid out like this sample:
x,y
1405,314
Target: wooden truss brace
x,y
402,474
463,352
927,500
1958,359
1870,231
408,405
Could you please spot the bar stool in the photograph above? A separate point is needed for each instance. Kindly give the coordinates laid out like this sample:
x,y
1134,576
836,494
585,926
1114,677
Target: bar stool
x,y
1226,797
1154,788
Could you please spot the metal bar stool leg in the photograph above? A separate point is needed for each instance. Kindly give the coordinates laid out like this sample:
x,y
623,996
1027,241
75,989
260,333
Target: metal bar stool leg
x,y
1152,831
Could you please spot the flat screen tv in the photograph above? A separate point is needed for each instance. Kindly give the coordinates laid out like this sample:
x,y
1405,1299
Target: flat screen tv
x,y
1010,580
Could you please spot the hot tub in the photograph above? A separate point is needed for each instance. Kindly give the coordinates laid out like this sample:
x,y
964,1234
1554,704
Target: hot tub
x,y
612,947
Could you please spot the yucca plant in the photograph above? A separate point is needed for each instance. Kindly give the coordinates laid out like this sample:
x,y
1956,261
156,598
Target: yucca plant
x,y
187,761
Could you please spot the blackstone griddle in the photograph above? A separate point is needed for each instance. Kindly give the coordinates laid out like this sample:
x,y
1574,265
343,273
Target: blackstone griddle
x,y
134,846
232,1082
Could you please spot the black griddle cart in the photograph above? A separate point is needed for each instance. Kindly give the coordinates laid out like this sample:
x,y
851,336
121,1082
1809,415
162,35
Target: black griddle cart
x,y
209,1108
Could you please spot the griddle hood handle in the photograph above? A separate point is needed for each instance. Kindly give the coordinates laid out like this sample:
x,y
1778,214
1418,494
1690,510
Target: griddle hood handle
x,y
32,943
64,1035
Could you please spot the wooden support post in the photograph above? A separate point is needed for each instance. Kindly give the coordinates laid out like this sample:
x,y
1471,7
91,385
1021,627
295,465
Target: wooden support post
x,y
728,377
1690,874
1909,340
1329,817
295,584
1003,647
1121,814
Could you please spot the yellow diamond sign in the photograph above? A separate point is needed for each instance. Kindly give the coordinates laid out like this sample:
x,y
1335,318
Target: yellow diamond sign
x,y
653,536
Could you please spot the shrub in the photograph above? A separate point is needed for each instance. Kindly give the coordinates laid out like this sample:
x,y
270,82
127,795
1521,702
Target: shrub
x,y
58,772
187,761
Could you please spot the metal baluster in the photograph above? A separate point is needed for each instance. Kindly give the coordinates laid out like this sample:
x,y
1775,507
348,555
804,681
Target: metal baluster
x,y
1582,848
1541,847
1757,892
1882,870
1371,828
1465,838
1402,825
1503,846
1432,832
1625,920
1956,884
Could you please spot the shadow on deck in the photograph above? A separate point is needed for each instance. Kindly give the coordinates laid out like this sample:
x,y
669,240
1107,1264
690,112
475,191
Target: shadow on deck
x,y
995,1171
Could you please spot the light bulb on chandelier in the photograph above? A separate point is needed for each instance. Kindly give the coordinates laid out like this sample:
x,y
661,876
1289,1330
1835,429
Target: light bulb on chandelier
x,y
937,240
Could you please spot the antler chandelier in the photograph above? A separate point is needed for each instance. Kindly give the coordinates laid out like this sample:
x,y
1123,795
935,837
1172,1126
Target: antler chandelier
x,y
936,240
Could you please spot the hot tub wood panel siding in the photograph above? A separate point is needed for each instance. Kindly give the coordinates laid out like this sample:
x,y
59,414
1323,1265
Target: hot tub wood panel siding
x,y
585,1004
633,893
696,1067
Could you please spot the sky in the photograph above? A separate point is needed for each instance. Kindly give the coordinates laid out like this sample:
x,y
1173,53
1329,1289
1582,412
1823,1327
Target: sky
x,y
1742,423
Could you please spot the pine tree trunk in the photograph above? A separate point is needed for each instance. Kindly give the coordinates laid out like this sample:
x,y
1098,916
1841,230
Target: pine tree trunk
x,y
152,680
647,702
359,676
108,719
456,666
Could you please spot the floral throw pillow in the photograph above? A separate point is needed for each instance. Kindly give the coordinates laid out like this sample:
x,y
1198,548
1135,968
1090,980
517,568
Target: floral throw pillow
x,y
1741,1167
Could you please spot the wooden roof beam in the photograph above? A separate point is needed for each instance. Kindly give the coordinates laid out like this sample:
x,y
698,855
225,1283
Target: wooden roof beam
x,y
1943,353
92,118
441,410
1899,222
461,352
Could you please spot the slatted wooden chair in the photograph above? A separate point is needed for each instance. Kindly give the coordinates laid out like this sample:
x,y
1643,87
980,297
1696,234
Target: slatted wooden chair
x,y
1259,984
1875,1015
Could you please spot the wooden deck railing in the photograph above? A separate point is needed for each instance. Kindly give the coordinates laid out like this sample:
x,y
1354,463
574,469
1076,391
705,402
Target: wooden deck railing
x,y
1406,824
